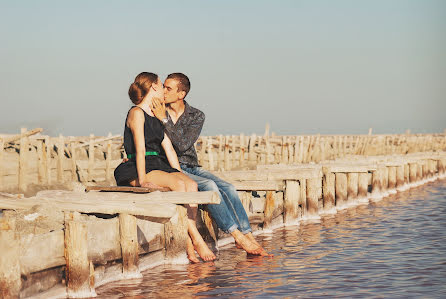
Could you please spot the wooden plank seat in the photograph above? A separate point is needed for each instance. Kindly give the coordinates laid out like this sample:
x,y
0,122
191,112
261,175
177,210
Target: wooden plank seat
x,y
125,189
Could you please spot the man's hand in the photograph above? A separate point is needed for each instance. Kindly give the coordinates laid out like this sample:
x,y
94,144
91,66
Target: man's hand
x,y
158,108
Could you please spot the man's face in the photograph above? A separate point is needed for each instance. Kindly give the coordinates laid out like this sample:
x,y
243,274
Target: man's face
x,y
171,93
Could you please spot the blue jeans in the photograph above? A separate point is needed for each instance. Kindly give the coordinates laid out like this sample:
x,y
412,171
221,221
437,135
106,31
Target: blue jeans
x,y
229,214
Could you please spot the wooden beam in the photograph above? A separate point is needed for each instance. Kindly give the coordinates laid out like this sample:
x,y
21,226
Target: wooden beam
x,y
22,134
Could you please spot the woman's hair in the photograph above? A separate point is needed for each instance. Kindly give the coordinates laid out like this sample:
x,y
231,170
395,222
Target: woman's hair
x,y
141,86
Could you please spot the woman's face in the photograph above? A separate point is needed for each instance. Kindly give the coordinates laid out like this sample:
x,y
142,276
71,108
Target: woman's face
x,y
159,91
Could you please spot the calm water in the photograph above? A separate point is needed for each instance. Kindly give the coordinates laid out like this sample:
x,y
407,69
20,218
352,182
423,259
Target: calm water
x,y
394,248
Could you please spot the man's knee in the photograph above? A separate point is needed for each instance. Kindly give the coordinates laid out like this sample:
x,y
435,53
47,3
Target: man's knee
x,y
208,185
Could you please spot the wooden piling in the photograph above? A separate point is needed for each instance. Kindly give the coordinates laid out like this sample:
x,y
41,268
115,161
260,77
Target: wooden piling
x,y
60,158
352,186
73,159
341,189
376,181
313,186
23,160
242,150
40,167
399,176
291,201
392,177
47,163
268,209
10,281
363,184
108,175
251,150
76,256
129,245
175,234
90,158
227,165
203,150
211,155
2,148
413,170
328,186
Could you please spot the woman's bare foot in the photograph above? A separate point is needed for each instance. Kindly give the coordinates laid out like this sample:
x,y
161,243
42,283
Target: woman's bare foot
x,y
191,252
203,251
244,243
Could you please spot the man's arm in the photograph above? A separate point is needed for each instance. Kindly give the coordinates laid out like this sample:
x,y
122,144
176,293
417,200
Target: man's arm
x,y
183,138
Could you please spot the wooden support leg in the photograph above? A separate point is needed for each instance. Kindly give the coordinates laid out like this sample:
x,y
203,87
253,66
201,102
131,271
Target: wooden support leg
x,y
10,282
392,178
399,177
23,160
291,202
303,196
129,245
269,209
175,234
376,182
78,267
406,173
313,186
413,169
363,185
329,190
352,186
341,189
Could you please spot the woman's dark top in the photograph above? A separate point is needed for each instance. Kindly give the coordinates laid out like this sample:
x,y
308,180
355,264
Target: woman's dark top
x,y
153,135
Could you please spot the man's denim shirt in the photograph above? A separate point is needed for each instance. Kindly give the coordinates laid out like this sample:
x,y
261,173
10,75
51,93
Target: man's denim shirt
x,y
185,133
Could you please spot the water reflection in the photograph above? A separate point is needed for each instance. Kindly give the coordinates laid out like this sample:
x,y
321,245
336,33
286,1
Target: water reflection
x,y
390,248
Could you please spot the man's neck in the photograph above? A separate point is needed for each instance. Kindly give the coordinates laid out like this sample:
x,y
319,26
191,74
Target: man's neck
x,y
175,110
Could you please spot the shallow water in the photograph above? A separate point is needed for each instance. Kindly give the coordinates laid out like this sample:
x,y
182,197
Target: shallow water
x,y
393,248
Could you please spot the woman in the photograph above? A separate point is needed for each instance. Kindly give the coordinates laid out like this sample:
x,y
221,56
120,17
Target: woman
x,y
151,157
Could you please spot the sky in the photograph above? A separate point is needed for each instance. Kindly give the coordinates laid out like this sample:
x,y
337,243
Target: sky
x,y
304,67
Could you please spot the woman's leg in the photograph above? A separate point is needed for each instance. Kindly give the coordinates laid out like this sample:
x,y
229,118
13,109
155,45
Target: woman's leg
x,y
178,181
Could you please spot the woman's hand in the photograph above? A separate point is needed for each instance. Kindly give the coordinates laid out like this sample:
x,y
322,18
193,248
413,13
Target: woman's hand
x,y
158,108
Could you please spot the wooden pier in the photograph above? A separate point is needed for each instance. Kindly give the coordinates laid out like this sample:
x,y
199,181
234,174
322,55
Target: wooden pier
x,y
70,242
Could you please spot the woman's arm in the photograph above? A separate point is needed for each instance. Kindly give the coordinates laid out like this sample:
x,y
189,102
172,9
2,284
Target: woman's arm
x,y
135,122
170,153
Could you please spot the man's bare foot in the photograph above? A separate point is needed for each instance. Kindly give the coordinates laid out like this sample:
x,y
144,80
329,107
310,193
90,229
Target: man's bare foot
x,y
191,252
244,243
252,239
203,251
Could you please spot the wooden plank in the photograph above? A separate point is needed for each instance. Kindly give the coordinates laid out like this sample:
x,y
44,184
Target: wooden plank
x,y
258,185
22,134
125,189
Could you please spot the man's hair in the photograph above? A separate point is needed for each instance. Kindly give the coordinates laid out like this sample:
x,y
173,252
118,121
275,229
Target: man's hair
x,y
183,81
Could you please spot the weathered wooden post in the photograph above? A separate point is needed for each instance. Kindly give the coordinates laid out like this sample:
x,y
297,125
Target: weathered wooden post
x,y
2,148
291,201
129,245
413,169
90,158
251,150
175,235
392,178
23,160
211,155
10,281
363,185
60,158
341,190
376,182
47,164
352,186
203,150
303,196
226,156
268,210
406,173
80,284
384,178
242,150
73,160
284,151
313,185
400,177
108,175
220,161
40,167
328,186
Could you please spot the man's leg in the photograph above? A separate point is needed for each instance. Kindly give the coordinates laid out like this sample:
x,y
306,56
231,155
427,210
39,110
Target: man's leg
x,y
233,200
219,212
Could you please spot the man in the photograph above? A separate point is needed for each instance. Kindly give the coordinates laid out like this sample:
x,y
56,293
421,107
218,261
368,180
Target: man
x,y
183,124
